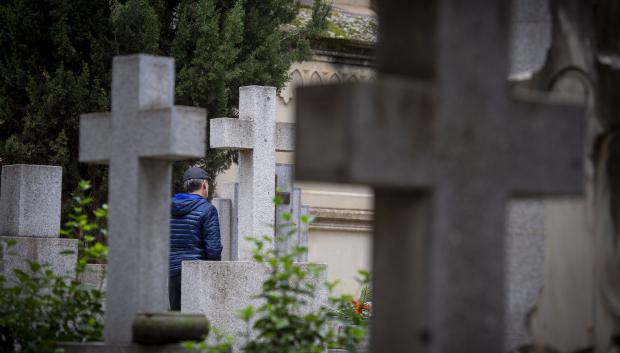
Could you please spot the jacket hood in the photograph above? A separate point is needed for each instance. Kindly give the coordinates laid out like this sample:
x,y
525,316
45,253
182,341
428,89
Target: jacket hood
x,y
183,204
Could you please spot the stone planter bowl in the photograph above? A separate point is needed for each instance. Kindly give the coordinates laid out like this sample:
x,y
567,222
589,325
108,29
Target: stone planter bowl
x,y
169,327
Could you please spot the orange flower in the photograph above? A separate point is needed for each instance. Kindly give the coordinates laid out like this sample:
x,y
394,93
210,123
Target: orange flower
x,y
357,305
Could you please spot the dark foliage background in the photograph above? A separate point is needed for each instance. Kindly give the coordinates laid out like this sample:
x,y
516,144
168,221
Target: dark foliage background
x,y
56,55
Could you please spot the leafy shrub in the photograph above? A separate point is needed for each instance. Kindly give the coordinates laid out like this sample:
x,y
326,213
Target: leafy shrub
x,y
280,325
40,308
43,308
87,227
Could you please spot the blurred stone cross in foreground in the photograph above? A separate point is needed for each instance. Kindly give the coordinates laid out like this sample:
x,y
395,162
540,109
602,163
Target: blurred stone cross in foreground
x,y
140,138
444,147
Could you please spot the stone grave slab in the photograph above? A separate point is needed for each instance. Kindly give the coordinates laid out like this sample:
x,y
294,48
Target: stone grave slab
x,y
291,204
224,213
219,289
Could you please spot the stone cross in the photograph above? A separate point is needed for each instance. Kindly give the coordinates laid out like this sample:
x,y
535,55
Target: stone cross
x,y
140,138
257,136
444,147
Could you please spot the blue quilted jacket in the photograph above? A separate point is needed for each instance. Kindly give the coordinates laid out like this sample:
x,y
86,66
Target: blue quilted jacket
x,y
194,231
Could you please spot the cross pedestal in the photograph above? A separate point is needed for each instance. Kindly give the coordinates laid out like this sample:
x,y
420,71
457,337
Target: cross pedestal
x,y
445,147
140,138
257,136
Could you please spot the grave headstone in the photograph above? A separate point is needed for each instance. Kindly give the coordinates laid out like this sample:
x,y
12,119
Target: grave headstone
x,y
224,211
230,252
257,136
220,289
30,202
303,233
290,197
444,148
140,138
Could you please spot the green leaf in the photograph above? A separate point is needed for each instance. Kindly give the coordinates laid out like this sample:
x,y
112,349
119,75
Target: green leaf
x,y
86,201
246,313
34,266
84,185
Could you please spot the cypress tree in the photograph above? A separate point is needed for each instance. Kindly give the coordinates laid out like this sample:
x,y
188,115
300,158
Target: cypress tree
x,y
55,63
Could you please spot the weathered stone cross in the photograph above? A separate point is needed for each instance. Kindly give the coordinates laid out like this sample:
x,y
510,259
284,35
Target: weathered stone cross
x,y
140,139
257,136
445,148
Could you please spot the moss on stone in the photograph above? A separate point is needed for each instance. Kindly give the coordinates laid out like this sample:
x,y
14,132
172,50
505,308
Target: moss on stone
x,y
336,31
343,25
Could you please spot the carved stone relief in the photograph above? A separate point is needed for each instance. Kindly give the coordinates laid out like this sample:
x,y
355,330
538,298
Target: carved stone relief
x,y
317,72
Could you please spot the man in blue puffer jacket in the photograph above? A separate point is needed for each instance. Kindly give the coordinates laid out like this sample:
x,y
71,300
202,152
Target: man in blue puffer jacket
x,y
194,230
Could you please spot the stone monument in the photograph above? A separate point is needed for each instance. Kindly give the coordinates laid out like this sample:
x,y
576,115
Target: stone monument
x,y
140,138
445,148
290,197
257,136
219,289
30,202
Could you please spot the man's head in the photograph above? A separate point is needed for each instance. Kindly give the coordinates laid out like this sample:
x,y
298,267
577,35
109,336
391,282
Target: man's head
x,y
196,181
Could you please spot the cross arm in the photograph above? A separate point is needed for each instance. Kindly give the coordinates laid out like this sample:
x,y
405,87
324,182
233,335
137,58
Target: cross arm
x,y
231,133
380,134
174,133
547,140
95,136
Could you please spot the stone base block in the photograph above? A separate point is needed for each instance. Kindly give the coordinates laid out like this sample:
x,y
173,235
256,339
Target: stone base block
x,y
42,250
95,277
100,347
220,289
30,200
